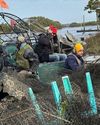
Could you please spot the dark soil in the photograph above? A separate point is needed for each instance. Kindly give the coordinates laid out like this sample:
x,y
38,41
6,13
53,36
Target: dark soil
x,y
14,112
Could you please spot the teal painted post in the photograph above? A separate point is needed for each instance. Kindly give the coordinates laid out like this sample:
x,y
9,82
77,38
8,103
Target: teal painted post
x,y
91,94
36,106
67,85
57,95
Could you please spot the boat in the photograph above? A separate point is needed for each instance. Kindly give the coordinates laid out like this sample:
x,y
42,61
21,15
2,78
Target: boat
x,y
21,112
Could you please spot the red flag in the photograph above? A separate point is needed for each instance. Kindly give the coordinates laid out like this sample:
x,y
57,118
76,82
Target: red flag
x,y
12,23
3,4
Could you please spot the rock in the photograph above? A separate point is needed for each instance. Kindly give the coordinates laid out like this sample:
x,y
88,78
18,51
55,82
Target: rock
x,y
31,80
14,87
23,74
16,84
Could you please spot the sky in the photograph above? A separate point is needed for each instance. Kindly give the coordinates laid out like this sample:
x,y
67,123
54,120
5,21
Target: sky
x,y
65,11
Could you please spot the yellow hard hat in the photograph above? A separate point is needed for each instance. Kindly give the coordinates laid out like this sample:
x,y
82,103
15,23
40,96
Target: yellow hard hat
x,y
78,47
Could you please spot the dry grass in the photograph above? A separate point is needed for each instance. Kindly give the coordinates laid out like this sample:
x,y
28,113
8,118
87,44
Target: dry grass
x,y
93,44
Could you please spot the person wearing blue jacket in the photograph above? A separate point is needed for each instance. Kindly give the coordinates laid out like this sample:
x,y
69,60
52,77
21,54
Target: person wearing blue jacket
x,y
74,60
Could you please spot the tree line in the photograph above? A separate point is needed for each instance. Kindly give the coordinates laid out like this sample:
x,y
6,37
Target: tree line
x,y
75,24
45,22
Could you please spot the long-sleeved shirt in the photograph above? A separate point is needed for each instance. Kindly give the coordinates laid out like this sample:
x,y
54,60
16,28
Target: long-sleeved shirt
x,y
74,62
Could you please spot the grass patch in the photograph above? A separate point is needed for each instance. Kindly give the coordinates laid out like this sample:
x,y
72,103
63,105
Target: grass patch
x,y
93,44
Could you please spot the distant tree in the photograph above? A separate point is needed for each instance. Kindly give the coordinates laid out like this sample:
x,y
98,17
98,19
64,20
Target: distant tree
x,y
92,5
74,24
45,21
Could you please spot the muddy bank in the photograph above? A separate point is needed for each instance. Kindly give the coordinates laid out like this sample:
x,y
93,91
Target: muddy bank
x,y
22,112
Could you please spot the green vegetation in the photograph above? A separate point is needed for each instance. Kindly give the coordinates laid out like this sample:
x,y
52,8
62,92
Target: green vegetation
x,y
92,5
36,23
44,21
74,24
91,23
93,44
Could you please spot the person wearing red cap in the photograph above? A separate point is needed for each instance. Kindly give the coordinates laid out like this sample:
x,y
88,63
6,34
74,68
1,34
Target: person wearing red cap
x,y
53,30
45,52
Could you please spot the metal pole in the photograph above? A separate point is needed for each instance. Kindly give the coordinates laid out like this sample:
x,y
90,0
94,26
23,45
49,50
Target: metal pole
x,y
57,95
84,23
36,106
67,85
91,95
